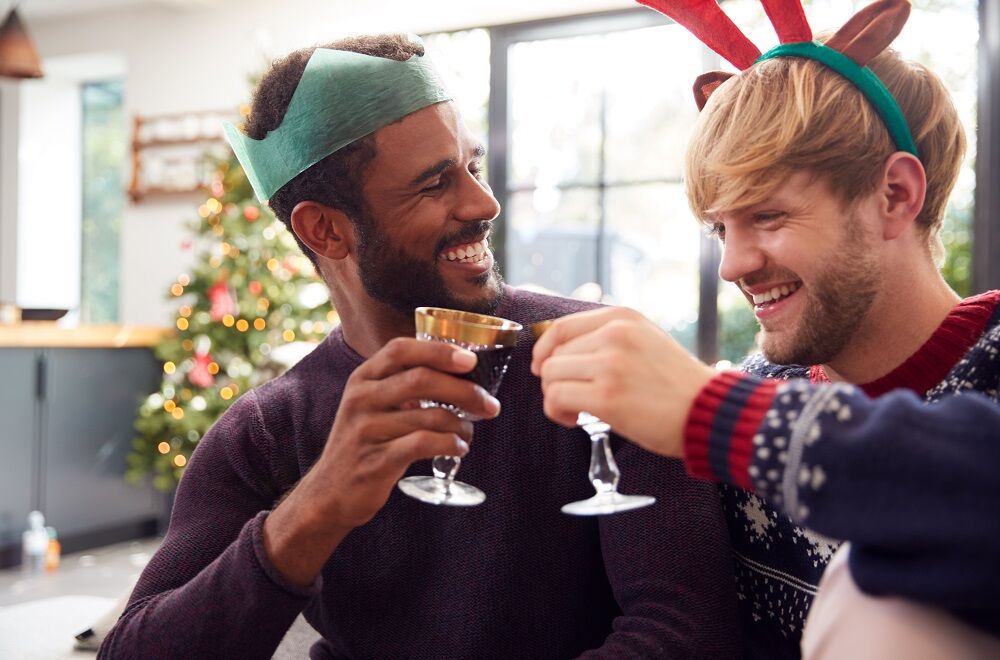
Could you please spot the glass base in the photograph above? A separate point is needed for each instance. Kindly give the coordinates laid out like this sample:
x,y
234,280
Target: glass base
x,y
433,491
604,503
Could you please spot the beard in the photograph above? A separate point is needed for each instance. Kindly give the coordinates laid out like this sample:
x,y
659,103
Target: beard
x,y
405,282
836,305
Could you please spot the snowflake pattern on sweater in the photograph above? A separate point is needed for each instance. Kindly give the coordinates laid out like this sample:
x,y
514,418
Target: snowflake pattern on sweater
x,y
778,561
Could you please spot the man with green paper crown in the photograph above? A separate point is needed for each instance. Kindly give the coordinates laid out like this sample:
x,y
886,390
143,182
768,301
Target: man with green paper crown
x,y
289,503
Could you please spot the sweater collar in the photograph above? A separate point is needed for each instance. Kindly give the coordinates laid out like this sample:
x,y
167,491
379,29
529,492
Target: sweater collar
x,y
958,332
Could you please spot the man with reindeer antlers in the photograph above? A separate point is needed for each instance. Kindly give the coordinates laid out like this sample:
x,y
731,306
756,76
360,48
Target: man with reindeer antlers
x,y
824,168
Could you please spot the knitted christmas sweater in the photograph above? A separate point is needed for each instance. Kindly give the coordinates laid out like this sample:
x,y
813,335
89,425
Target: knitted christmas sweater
x,y
511,578
906,467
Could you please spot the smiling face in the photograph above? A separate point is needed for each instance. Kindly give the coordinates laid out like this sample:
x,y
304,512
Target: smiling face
x,y
807,265
424,238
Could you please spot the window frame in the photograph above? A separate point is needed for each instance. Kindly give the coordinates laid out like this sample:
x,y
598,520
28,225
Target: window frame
x,y
986,222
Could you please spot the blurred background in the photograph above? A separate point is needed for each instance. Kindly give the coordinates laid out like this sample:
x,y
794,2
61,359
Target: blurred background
x,y
122,210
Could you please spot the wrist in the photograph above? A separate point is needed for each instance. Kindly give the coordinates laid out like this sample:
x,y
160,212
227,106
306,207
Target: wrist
x,y
720,426
298,540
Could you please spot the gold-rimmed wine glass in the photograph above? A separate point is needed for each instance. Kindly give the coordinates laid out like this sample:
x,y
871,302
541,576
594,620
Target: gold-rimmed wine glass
x,y
492,339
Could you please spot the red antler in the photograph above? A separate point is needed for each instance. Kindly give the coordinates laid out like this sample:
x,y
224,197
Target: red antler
x,y
707,22
789,20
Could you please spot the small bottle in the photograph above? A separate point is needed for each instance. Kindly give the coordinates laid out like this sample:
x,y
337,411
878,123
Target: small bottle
x,y
53,551
34,544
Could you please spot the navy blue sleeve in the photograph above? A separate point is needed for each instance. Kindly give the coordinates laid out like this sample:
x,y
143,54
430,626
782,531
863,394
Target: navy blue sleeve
x,y
914,486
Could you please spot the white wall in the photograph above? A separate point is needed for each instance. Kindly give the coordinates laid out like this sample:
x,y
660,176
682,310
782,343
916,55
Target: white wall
x,y
182,60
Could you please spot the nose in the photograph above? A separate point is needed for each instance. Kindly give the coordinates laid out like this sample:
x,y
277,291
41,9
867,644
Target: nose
x,y
475,200
741,255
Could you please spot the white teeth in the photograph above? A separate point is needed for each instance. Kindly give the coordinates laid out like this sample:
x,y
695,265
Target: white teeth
x,y
774,294
473,252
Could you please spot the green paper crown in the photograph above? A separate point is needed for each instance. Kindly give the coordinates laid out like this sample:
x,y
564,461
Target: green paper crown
x,y
342,97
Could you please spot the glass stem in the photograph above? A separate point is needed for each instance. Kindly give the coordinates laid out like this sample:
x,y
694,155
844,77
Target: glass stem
x,y
604,472
444,468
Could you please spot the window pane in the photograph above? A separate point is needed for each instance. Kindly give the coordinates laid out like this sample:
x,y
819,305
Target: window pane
x,y
738,326
103,199
552,238
463,60
555,111
652,243
650,105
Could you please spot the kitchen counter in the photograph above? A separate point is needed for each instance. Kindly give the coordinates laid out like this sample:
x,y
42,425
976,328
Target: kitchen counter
x,y
42,334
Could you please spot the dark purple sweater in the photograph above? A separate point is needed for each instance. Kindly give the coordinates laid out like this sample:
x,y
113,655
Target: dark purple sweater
x,y
511,578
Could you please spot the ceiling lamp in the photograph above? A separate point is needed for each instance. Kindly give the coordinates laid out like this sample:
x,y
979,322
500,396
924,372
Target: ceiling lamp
x,y
18,58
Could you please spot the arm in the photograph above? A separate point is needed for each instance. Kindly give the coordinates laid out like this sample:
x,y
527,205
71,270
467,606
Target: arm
x,y
915,487
231,576
669,566
210,581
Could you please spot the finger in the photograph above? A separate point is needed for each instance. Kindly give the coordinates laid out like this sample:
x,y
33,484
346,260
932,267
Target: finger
x,y
570,327
569,367
389,426
422,383
425,444
564,400
404,353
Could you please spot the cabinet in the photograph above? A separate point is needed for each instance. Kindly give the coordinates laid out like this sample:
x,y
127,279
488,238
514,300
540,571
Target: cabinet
x,y
66,430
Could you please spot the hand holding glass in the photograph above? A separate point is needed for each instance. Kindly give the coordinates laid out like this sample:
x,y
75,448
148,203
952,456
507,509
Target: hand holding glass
x,y
493,340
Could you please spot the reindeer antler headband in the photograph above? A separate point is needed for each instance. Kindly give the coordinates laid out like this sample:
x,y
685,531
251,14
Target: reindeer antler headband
x,y
848,52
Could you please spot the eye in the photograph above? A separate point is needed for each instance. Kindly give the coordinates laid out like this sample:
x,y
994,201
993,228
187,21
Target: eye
x,y
476,169
437,187
765,217
716,229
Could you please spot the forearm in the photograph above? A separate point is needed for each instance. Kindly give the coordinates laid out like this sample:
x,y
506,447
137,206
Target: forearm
x,y
914,486
237,606
296,543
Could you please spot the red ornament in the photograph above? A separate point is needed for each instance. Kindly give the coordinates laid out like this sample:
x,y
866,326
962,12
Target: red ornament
x,y
255,287
251,213
199,375
222,301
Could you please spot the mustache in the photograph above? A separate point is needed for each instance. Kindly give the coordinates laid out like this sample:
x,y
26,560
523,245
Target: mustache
x,y
761,277
466,234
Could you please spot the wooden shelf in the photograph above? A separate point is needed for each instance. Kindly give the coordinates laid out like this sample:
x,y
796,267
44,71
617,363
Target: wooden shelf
x,y
152,144
169,154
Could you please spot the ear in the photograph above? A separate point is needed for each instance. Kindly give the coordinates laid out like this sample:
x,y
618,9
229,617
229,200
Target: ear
x,y
707,83
327,231
902,193
871,30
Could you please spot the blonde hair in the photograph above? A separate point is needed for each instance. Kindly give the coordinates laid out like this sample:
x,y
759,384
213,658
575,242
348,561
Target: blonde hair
x,y
787,115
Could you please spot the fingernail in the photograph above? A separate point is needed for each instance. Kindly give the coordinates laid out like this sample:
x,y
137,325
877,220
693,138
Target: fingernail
x,y
492,404
463,359
462,446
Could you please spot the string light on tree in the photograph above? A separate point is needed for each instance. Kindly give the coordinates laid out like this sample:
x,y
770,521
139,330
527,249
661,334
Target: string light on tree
x,y
238,306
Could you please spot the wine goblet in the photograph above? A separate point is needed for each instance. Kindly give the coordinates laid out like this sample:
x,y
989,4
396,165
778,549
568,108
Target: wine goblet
x,y
603,472
492,339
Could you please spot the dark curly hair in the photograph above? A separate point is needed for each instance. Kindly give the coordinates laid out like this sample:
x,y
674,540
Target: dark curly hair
x,y
334,181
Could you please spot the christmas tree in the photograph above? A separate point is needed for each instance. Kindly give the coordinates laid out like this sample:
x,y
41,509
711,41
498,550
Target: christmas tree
x,y
245,313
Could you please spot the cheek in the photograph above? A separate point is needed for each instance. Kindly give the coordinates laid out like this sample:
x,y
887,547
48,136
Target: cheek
x,y
797,250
